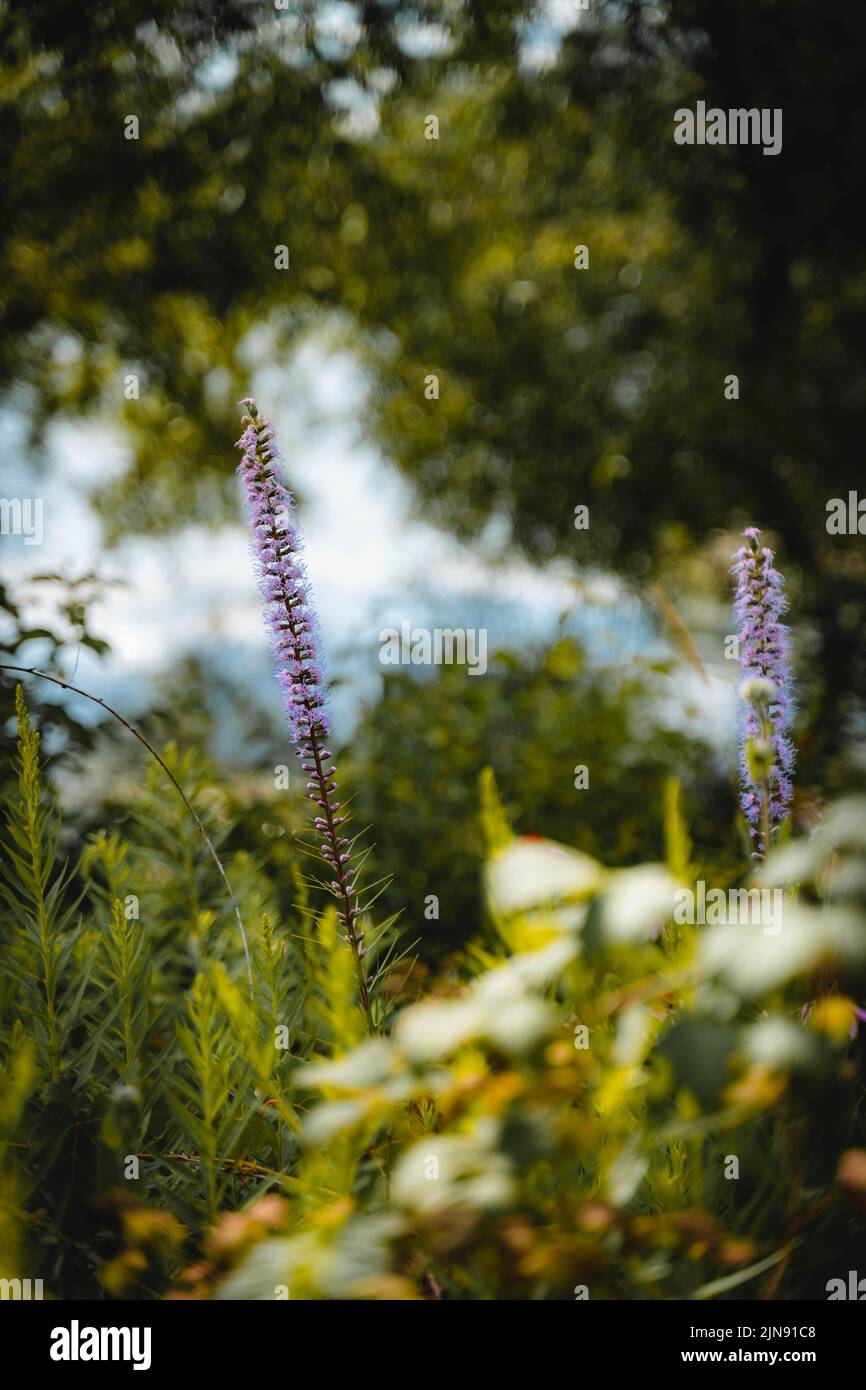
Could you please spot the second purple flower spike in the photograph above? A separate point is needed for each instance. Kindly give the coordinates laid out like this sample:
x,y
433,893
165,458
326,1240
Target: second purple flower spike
x,y
766,752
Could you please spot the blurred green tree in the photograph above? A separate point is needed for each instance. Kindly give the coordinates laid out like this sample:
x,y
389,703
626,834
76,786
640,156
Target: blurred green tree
x,y
140,274
455,256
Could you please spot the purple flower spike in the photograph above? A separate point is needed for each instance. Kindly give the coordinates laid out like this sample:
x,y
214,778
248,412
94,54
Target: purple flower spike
x,y
766,752
277,546
291,620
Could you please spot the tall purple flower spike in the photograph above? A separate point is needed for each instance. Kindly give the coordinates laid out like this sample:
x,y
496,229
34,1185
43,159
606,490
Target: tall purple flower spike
x,y
291,620
766,752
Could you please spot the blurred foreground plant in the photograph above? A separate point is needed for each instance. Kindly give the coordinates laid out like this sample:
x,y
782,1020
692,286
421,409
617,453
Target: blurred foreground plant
x,y
594,1100
606,1106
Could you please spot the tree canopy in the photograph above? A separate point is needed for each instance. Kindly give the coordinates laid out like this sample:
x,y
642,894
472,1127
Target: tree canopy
x,y
154,260
306,127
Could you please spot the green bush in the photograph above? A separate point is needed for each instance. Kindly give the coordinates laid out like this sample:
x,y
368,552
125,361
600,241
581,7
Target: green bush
x,y
593,1100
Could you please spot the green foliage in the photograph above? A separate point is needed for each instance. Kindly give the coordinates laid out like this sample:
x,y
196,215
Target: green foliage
x,y
532,720
68,628
208,1094
17,1079
135,1066
123,972
35,890
558,1116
